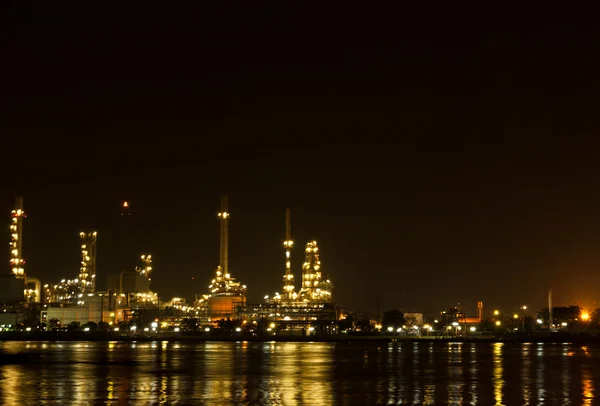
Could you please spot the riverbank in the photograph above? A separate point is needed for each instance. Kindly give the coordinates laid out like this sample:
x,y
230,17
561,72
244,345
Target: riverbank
x,y
201,337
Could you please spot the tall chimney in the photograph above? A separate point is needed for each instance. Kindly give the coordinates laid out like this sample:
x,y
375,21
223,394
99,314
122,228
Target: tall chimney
x,y
550,321
480,311
224,246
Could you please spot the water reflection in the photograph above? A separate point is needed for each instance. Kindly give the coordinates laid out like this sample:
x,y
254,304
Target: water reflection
x,y
12,393
565,377
429,391
539,374
526,373
473,373
498,373
455,373
587,386
297,373
416,367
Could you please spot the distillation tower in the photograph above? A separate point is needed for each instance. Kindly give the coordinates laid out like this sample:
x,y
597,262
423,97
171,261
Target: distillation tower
x,y
31,285
87,271
225,293
17,262
314,287
288,279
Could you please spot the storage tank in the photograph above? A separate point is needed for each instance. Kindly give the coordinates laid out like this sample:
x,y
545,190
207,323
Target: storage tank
x,y
224,306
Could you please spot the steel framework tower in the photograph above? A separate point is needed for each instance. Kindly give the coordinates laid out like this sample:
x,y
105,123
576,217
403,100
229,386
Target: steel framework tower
x,y
311,273
16,239
288,279
87,272
314,287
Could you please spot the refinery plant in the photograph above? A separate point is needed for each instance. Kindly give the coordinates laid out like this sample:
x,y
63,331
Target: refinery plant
x,y
309,310
129,307
129,301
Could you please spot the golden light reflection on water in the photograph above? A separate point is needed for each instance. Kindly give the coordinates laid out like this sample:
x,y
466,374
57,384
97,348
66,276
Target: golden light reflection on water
x,y
315,379
12,390
288,368
218,370
539,374
429,387
297,373
525,373
587,386
110,389
498,379
85,383
394,389
565,377
416,367
473,372
163,396
455,373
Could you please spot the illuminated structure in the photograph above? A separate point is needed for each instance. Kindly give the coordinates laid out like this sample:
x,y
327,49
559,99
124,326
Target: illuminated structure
x,y
29,286
288,279
146,268
73,292
135,285
87,271
141,293
225,293
65,292
17,262
314,288
125,209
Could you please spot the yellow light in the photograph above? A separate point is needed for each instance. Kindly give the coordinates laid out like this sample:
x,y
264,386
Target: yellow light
x,y
498,323
125,204
585,316
496,312
515,316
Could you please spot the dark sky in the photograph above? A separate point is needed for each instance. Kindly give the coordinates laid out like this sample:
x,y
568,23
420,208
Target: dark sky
x,y
439,156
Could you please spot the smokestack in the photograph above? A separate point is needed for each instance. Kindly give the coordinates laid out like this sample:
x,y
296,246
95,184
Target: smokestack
x,y
550,322
480,311
224,246
19,203
288,224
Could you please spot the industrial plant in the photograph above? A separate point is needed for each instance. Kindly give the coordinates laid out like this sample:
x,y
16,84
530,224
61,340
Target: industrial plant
x,y
306,309
309,310
128,305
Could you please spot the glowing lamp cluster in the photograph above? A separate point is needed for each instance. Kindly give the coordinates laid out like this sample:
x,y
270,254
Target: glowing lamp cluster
x,y
87,271
17,263
314,288
146,267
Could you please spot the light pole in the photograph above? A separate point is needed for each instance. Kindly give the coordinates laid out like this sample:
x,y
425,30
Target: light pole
x,y
524,309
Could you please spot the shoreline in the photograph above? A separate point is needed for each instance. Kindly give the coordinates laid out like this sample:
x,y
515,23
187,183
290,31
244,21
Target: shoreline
x,y
107,337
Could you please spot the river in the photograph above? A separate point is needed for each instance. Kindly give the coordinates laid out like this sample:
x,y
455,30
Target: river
x,y
287,373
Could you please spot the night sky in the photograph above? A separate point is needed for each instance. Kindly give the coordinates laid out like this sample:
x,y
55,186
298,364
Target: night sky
x,y
438,156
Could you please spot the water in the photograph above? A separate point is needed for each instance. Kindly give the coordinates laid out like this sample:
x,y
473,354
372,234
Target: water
x,y
221,373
